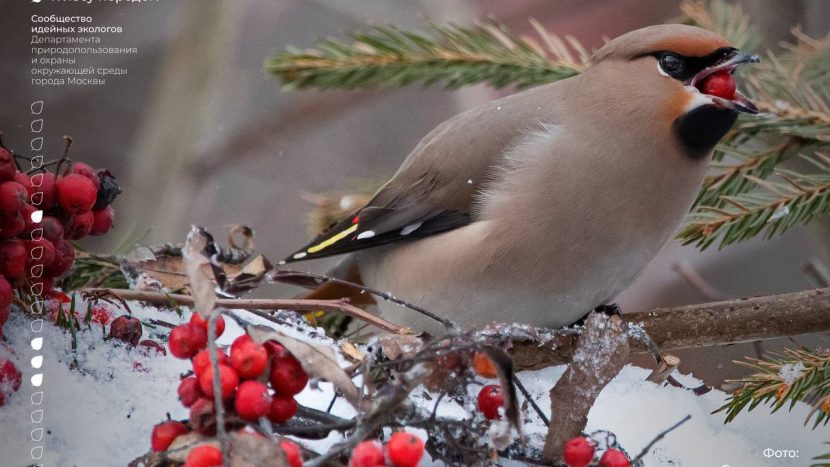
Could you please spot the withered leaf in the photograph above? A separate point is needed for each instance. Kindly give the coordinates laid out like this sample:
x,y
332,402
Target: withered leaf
x,y
252,450
250,276
247,235
199,271
397,346
183,444
319,361
504,368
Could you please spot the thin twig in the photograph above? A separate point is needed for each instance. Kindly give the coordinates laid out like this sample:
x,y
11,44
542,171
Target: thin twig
x,y
384,295
213,353
529,398
660,436
340,305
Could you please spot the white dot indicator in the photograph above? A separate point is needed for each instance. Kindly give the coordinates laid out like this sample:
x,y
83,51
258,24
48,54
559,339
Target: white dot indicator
x,y
37,380
37,361
37,216
37,343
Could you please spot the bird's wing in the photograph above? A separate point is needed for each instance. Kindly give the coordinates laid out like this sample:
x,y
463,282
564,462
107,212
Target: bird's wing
x,y
435,188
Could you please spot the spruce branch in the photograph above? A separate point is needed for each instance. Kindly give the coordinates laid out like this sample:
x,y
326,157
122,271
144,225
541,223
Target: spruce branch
x,y
456,56
785,378
727,19
772,208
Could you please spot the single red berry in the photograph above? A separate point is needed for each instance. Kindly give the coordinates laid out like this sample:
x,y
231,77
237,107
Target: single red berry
x,y
367,454
252,400
228,381
204,456
52,229
12,225
79,225
201,361
293,454
41,252
282,409
10,379
186,340
76,193
13,257
7,167
85,170
44,191
203,416
248,358
189,391
490,400
28,223
721,84
151,348
197,319
405,449
64,258
614,458
164,433
274,349
578,452
5,292
24,180
102,221
126,329
287,376
12,197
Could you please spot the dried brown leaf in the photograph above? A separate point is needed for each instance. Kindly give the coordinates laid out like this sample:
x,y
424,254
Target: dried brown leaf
x,y
504,367
253,450
397,346
199,271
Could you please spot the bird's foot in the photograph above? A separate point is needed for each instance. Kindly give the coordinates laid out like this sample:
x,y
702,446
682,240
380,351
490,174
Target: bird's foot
x,y
611,310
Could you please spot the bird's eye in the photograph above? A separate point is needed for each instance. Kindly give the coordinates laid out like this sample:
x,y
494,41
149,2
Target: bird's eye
x,y
672,63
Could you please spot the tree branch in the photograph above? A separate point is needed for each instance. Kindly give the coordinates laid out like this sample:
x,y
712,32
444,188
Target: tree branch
x,y
702,325
600,354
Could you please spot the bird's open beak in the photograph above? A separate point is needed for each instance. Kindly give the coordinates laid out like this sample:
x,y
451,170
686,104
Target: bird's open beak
x,y
739,102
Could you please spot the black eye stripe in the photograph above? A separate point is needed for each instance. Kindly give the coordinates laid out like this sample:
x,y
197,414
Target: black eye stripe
x,y
691,65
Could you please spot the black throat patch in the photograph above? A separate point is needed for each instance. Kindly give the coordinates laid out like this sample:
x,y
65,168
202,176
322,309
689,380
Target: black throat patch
x,y
700,129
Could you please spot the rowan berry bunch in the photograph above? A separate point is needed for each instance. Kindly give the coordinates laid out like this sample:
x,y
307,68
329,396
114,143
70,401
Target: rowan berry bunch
x,y
256,381
41,212
402,450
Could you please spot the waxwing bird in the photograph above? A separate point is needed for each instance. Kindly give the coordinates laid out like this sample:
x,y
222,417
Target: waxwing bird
x,y
540,206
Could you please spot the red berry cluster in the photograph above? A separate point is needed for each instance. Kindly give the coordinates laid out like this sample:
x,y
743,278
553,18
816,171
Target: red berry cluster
x,y
579,452
403,449
255,381
74,205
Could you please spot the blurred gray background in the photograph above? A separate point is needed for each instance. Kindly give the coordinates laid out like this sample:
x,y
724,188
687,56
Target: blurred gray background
x,y
198,133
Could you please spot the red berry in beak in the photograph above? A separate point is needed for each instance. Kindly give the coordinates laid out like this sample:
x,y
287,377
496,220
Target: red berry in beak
x,y
720,84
